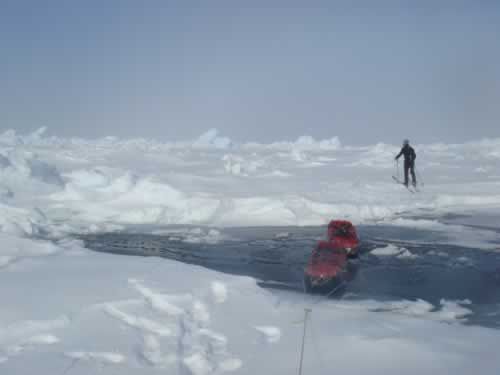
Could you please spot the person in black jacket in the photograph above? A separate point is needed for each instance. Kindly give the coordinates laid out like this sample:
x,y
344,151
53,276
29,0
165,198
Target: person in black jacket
x,y
409,154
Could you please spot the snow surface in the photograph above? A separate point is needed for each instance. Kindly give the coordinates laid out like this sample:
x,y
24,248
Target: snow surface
x,y
67,310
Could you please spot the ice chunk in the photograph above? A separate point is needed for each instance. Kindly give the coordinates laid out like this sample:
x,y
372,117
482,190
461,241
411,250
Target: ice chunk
x,y
103,357
198,364
271,334
219,291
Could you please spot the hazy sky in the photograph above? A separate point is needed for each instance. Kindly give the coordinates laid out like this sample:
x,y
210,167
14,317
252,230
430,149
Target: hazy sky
x,y
257,72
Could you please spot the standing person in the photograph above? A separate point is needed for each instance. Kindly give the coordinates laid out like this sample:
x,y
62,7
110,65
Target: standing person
x,y
409,154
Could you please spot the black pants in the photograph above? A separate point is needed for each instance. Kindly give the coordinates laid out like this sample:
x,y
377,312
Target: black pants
x,y
410,165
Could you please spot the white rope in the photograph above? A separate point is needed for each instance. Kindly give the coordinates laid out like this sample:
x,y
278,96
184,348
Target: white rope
x,y
306,313
316,348
420,179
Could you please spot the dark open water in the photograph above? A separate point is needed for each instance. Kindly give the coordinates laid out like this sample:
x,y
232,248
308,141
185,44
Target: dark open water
x,y
441,270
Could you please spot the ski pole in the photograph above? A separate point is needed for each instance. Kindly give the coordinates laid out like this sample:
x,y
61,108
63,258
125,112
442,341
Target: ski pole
x,y
419,177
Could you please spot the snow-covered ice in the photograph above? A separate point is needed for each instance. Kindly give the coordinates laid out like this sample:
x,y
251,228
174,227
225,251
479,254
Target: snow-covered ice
x,y
391,250
65,308
271,334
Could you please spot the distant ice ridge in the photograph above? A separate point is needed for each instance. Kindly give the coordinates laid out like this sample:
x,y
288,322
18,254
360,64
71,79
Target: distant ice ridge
x,y
214,181
303,143
486,149
211,139
17,164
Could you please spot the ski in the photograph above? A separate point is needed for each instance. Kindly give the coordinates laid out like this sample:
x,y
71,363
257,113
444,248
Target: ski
x,y
407,187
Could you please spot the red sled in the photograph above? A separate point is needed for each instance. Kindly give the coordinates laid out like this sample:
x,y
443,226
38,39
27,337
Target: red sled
x,y
328,266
